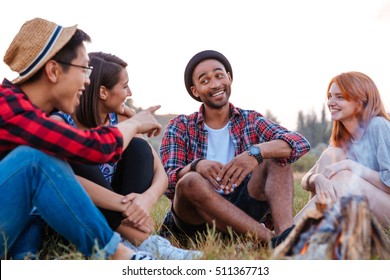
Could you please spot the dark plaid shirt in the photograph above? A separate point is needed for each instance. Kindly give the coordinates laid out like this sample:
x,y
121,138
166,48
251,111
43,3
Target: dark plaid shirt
x,y
22,123
185,139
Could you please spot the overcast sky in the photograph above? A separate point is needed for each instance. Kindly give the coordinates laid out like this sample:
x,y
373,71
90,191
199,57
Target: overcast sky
x,y
283,52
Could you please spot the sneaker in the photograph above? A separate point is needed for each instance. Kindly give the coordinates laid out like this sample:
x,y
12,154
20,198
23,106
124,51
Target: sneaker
x,y
129,245
162,249
277,240
144,256
166,228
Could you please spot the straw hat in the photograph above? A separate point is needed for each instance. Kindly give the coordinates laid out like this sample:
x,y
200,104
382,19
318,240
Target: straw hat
x,y
36,43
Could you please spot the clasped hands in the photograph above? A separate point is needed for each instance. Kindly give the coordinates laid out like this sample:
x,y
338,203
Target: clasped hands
x,y
325,190
229,176
137,212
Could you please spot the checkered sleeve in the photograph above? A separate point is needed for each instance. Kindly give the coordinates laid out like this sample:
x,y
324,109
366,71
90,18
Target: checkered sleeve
x,y
173,152
272,131
22,123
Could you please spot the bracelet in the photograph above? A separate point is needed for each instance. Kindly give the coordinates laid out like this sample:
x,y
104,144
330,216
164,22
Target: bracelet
x,y
194,163
308,181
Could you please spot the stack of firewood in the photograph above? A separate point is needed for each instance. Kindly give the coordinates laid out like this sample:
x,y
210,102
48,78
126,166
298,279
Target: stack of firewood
x,y
347,230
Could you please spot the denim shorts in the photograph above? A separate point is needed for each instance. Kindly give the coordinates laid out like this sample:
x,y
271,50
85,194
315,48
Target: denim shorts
x,y
240,198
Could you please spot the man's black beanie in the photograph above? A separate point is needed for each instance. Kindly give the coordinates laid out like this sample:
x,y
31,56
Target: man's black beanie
x,y
198,58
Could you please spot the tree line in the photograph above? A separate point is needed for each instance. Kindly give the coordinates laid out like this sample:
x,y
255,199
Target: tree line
x,y
317,130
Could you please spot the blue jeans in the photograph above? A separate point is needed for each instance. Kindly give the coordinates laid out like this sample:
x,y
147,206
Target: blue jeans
x,y
36,187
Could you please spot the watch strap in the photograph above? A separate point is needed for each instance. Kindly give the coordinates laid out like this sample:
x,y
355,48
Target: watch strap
x,y
258,157
194,163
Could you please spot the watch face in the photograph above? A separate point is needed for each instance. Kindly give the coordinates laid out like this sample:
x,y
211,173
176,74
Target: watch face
x,y
254,150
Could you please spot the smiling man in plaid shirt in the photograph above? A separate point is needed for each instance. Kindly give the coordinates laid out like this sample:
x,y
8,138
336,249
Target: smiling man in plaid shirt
x,y
227,166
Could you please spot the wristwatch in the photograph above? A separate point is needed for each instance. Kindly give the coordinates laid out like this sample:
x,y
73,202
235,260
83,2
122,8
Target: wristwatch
x,y
194,163
255,152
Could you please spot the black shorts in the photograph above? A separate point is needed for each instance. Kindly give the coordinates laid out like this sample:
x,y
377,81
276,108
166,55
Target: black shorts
x,y
240,198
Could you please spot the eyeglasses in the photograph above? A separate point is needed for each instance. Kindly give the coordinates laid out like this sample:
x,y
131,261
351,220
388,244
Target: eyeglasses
x,y
88,69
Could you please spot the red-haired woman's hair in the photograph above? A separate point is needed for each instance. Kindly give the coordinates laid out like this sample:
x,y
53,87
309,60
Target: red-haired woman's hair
x,y
356,86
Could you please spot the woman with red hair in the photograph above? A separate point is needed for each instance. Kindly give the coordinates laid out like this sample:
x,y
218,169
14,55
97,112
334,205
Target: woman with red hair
x,y
357,160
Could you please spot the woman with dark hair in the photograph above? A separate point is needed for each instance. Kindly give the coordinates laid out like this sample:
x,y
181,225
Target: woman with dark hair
x,y
357,160
138,180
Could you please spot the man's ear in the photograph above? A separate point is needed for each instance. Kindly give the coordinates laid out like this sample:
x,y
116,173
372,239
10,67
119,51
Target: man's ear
x,y
103,93
51,70
194,91
230,76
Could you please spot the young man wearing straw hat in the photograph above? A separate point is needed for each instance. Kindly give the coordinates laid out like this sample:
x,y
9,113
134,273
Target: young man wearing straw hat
x,y
36,181
227,166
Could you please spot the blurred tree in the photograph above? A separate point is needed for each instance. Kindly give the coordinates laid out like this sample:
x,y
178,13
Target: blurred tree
x,y
316,131
268,114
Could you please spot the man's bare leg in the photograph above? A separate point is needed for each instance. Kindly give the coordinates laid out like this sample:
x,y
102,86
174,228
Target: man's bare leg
x,y
196,202
274,183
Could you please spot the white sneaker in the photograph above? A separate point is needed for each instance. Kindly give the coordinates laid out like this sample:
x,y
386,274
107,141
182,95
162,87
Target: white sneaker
x,y
129,245
144,256
162,249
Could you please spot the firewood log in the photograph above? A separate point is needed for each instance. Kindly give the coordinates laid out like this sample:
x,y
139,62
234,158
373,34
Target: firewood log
x,y
346,230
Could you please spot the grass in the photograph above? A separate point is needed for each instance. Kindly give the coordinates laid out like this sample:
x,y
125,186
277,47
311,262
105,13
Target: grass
x,y
213,245
234,247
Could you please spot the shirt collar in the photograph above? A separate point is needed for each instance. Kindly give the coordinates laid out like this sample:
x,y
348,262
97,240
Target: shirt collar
x,y
235,113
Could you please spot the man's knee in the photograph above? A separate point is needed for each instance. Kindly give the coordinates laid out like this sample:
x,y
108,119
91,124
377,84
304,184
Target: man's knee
x,y
270,171
23,154
192,186
188,182
278,170
25,151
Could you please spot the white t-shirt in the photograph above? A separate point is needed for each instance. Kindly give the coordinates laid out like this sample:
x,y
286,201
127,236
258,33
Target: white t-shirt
x,y
219,145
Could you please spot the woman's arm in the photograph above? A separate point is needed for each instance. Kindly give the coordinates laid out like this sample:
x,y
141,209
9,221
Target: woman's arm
x,y
160,179
306,182
369,175
372,177
141,205
102,197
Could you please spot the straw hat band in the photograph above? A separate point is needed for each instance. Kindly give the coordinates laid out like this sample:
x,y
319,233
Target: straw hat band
x,y
35,44
46,50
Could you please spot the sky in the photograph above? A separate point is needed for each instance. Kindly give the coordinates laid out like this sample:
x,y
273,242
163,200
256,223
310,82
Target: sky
x,y
283,52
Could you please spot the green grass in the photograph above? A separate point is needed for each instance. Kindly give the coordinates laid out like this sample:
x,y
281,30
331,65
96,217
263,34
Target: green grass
x,y
301,196
213,245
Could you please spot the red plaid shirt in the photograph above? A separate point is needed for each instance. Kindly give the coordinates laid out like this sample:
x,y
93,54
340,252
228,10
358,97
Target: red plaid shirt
x,y
22,123
185,139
